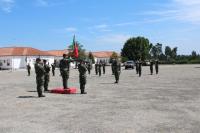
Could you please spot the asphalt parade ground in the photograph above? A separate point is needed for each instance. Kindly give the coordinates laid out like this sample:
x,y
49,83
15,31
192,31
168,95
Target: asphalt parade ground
x,y
165,103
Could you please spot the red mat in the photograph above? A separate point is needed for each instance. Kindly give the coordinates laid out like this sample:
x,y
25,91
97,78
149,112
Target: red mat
x,y
62,91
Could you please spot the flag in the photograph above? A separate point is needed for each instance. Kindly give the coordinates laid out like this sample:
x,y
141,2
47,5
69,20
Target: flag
x,y
75,46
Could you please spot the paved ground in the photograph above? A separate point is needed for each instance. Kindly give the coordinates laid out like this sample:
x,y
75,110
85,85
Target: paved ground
x,y
164,103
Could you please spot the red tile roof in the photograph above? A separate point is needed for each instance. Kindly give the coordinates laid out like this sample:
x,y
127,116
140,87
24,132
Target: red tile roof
x,y
102,54
22,51
58,53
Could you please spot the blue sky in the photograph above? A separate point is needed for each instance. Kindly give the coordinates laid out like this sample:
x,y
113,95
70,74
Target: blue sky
x,y
99,24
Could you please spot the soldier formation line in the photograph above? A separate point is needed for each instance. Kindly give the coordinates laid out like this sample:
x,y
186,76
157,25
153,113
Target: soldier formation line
x,y
42,70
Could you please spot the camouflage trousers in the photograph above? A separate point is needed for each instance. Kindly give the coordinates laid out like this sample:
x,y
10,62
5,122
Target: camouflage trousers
x,y
40,84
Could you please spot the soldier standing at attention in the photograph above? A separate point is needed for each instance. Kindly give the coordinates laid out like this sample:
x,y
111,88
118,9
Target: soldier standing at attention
x,y
82,76
29,69
46,75
53,66
96,68
89,67
137,67
151,67
104,67
117,69
39,70
156,66
99,67
64,70
140,68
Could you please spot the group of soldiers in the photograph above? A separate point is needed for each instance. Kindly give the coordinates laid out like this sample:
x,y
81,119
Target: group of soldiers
x,y
138,65
42,70
98,67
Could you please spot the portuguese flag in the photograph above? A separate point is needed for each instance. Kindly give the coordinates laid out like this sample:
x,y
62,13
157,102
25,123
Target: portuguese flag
x,y
75,48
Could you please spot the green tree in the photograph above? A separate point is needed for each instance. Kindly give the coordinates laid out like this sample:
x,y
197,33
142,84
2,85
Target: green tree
x,y
156,51
136,48
168,52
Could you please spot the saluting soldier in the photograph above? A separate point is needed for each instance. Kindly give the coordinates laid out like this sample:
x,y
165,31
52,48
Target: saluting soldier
x,y
46,75
29,69
82,76
53,66
140,68
117,69
40,72
156,66
151,67
64,70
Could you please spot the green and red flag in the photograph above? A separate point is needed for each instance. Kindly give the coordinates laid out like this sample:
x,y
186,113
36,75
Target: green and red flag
x,y
75,48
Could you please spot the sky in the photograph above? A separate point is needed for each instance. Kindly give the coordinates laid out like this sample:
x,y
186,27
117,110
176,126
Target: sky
x,y
99,25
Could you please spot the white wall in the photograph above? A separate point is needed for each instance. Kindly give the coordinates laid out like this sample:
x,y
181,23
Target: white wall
x,y
20,62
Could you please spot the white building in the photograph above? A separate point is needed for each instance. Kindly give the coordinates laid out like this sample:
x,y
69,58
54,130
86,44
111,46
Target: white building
x,y
19,57
102,56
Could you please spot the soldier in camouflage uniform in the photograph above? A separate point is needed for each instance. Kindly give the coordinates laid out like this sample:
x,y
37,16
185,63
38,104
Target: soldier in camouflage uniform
x,y
96,68
99,67
137,67
156,66
82,76
89,67
64,70
117,69
39,70
104,67
53,66
46,75
151,67
140,68
29,69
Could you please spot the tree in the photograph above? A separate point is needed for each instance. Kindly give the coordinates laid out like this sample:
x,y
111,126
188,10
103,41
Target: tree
x,y
91,57
156,51
194,54
168,52
113,56
136,48
174,53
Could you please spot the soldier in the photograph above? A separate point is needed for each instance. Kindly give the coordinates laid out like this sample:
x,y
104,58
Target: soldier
x,y
140,68
46,75
96,68
156,66
89,67
82,76
117,69
104,67
112,67
64,70
29,69
39,70
99,67
151,67
53,66
137,67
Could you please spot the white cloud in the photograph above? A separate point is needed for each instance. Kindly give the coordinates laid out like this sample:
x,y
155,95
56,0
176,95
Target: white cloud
x,y
188,10
113,38
182,10
7,5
